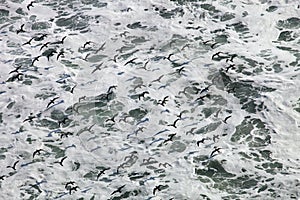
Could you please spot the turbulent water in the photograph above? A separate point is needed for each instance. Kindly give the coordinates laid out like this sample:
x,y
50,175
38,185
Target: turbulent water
x,y
137,99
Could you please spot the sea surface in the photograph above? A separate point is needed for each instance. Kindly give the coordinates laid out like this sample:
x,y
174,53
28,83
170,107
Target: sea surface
x,y
150,99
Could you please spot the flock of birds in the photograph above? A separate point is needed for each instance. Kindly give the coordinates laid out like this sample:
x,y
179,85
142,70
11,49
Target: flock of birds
x,y
197,95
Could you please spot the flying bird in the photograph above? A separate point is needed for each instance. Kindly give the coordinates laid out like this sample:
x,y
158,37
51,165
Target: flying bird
x,y
14,165
30,5
118,190
158,187
52,101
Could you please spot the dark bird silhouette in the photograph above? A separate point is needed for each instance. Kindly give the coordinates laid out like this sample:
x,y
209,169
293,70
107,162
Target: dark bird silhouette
x,y
118,190
124,33
112,119
205,89
216,149
216,54
174,123
29,41
29,118
142,94
72,89
97,67
62,40
169,57
130,61
107,95
180,114
145,65
15,70
14,165
170,138
2,177
30,5
87,43
205,42
202,97
215,137
61,53
21,30
101,48
102,172
35,59
61,161
158,187
180,70
111,87
73,188
65,134
69,183
52,101
158,79
44,45
164,101
231,57
226,118
201,141
42,37
38,151
191,131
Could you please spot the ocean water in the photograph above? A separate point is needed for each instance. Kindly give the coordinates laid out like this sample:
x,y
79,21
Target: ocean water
x,y
137,99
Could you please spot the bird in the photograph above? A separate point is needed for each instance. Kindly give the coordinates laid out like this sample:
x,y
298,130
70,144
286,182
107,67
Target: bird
x,y
41,37
191,131
52,101
118,190
142,94
144,66
69,183
61,53
202,97
44,45
21,30
38,151
216,54
164,101
100,48
35,59
169,57
205,89
111,87
2,177
201,141
158,187
158,79
97,67
51,53
216,149
30,5
214,44
29,41
107,95
63,121
130,61
226,118
29,118
112,119
170,138
61,161
230,66
174,123
101,172
73,188
65,134
215,137
62,40
87,43
180,70
180,114
15,70
14,165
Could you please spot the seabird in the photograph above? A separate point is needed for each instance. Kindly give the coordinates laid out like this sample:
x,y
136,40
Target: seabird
x,y
21,30
158,79
2,177
112,119
44,45
111,87
102,172
72,89
61,161
29,118
61,53
15,70
29,41
164,101
201,141
215,137
38,151
230,66
191,131
169,57
180,70
118,190
130,61
158,187
101,48
52,101
14,165
164,164
205,89
65,134
216,149
170,138
214,44
41,37
63,121
97,67
69,183
142,94
30,5
73,188
87,43
35,59
174,123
